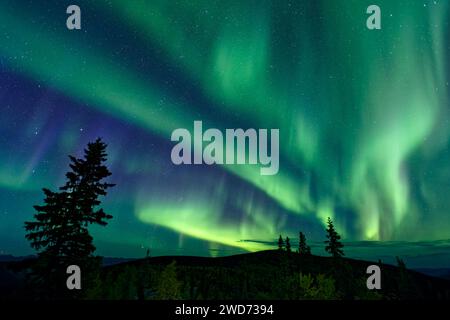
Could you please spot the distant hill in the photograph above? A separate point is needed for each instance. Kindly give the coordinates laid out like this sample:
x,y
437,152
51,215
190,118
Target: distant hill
x,y
269,271
106,260
260,275
8,258
435,272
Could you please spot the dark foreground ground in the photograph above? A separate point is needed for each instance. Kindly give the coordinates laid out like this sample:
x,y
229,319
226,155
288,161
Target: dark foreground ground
x,y
260,275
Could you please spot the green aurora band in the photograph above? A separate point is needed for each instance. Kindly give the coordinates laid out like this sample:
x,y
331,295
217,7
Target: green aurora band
x,y
363,115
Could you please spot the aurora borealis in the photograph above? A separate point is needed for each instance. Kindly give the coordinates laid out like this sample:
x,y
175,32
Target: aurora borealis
x,y
363,118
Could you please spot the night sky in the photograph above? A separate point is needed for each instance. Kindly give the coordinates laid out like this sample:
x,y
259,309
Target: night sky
x,y
363,118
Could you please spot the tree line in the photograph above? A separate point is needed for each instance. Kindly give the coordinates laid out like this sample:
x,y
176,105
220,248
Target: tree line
x,y
333,244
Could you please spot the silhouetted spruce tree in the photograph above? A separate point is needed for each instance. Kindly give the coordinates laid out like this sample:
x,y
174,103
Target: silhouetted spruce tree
x,y
303,248
59,231
334,246
288,245
280,243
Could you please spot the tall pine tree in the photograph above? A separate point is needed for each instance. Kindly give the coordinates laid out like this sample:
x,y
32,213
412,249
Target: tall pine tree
x,y
334,246
303,248
60,227
288,244
280,243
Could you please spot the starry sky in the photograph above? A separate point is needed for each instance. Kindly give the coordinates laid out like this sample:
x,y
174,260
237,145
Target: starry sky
x,y
363,118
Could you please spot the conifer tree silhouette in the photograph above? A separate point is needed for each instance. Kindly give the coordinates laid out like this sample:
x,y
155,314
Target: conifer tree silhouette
x,y
334,246
59,231
280,243
288,245
61,225
303,248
